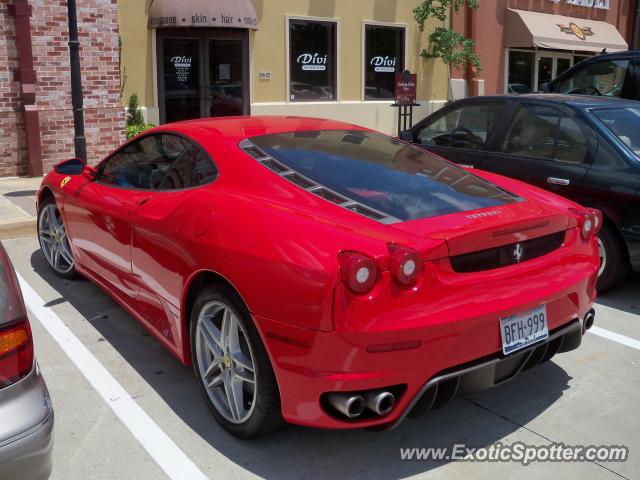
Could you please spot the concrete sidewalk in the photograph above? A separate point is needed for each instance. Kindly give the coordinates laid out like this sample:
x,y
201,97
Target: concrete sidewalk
x,y
18,206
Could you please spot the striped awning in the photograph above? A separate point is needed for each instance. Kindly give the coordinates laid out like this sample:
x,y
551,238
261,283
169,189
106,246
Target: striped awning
x,y
202,13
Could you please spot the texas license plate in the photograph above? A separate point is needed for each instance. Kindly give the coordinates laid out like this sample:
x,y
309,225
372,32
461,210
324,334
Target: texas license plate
x,y
523,329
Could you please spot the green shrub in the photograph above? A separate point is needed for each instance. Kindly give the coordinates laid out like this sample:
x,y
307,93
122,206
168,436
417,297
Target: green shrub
x,y
134,114
133,130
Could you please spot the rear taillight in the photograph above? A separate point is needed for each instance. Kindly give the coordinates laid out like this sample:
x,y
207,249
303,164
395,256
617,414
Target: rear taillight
x,y
589,222
357,271
16,346
404,264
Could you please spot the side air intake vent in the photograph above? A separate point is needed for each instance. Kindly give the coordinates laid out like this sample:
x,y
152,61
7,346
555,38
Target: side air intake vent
x,y
311,186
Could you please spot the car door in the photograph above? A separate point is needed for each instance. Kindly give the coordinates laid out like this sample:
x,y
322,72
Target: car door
x,y
99,215
546,146
460,132
163,229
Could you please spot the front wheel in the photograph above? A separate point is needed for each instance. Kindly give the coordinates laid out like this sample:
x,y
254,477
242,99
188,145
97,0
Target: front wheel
x,y
232,366
53,239
614,264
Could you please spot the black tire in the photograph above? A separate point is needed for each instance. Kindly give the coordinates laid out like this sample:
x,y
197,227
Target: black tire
x,y
616,265
266,416
71,274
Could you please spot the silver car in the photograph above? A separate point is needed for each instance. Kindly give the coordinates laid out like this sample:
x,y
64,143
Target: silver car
x,y
26,414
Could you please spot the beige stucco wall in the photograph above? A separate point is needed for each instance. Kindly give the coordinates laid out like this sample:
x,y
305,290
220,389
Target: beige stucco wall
x,y
268,52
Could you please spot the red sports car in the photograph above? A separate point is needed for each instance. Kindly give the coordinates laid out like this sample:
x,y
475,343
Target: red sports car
x,y
322,273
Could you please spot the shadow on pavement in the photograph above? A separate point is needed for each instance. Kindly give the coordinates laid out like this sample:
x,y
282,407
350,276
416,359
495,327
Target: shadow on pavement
x,y
625,297
297,452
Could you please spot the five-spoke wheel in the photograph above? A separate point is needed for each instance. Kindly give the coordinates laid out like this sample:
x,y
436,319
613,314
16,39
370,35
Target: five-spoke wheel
x,y
53,239
225,361
232,365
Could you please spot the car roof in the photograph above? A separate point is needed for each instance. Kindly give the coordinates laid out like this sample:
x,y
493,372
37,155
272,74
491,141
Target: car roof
x,y
579,101
238,128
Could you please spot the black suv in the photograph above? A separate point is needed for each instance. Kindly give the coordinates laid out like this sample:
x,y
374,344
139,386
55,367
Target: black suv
x,y
608,75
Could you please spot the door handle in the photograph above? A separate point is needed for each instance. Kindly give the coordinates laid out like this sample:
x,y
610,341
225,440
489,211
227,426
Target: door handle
x,y
144,200
558,181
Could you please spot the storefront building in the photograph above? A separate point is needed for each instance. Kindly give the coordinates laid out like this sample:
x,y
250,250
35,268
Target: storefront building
x,y
321,58
36,117
524,43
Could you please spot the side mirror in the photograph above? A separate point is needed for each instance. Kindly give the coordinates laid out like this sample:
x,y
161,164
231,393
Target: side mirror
x,y
406,135
545,87
72,166
89,172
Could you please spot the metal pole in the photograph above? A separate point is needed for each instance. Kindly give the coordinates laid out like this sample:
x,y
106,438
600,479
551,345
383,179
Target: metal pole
x,y
77,103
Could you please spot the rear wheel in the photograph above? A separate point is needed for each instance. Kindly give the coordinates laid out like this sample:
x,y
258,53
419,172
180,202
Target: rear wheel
x,y
614,264
53,239
232,366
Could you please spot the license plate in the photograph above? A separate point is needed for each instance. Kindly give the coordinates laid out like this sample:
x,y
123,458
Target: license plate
x,y
523,329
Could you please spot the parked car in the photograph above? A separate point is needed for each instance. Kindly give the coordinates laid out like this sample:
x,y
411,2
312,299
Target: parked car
x,y
303,265
584,148
26,414
609,75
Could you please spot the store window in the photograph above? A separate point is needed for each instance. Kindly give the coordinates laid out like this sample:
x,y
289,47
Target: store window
x,y
384,57
520,73
312,60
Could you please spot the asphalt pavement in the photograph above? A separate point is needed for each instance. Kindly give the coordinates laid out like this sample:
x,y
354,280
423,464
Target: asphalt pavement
x,y
588,397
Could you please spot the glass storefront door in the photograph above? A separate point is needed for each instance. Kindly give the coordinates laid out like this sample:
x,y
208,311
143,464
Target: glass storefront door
x,y
203,75
550,65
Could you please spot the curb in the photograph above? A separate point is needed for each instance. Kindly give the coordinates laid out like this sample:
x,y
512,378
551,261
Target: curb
x,y
19,228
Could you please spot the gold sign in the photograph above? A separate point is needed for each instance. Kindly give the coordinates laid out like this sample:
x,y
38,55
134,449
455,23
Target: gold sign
x,y
65,180
580,32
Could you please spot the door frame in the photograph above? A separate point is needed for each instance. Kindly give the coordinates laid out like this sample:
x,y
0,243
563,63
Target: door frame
x,y
203,35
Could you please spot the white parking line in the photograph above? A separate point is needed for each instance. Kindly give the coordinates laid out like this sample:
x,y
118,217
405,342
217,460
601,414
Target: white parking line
x,y
152,438
616,337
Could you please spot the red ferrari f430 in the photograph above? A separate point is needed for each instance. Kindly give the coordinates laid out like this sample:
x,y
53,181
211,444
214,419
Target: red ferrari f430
x,y
320,273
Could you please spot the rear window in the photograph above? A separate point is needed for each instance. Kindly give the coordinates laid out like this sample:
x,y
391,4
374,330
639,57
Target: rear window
x,y
624,123
382,173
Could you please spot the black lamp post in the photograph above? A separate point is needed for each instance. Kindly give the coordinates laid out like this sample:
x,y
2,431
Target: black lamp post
x,y
79,139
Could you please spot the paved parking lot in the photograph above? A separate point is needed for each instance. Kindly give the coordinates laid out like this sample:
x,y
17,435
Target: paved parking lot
x,y
589,397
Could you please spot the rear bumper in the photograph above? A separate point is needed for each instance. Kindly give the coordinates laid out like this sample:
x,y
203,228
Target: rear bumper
x,y
26,429
405,341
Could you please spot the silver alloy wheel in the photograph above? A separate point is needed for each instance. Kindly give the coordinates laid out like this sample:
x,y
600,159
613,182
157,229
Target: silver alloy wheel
x,y
226,362
53,239
603,256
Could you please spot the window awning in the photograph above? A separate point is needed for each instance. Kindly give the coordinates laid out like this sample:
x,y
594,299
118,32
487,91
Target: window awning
x,y
202,13
543,30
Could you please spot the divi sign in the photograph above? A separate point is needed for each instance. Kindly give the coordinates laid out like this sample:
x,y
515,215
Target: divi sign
x,y
383,64
312,61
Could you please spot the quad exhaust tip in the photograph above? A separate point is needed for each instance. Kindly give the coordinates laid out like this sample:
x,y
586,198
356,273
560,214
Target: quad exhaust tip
x,y
589,318
351,406
380,403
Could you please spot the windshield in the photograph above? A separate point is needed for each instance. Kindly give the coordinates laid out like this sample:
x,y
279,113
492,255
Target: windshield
x,y
382,173
624,123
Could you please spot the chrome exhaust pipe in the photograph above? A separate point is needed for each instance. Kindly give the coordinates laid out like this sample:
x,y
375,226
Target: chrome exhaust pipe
x,y
380,402
589,318
350,405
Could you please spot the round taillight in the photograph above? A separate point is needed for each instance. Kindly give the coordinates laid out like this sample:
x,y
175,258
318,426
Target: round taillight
x,y
404,264
357,271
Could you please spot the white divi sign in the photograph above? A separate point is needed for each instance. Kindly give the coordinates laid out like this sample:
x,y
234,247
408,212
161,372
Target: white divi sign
x,y
312,61
383,64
